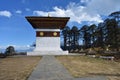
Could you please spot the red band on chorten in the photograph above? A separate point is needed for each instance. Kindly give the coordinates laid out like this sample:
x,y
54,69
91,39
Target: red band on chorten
x,y
47,34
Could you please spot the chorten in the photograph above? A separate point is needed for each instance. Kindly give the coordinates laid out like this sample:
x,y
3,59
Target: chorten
x,y
47,34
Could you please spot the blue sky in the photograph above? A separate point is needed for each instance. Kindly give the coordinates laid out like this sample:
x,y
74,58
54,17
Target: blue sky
x,y
15,30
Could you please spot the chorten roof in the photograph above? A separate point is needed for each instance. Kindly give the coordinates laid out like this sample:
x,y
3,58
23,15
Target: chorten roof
x,y
47,22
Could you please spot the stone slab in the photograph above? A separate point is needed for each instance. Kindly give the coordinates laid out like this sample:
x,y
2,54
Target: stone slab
x,y
47,53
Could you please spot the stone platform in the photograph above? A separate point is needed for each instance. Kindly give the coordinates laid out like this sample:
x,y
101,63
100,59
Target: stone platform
x,y
35,53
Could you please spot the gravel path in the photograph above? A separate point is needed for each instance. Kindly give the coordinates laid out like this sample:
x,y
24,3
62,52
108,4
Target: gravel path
x,y
49,68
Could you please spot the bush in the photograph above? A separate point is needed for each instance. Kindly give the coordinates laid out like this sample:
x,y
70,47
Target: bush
x,y
3,55
10,51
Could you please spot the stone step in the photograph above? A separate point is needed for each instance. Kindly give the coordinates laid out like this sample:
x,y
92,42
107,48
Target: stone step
x,y
47,53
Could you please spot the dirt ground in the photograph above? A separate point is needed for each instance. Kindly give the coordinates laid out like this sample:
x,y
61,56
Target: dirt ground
x,y
17,68
83,66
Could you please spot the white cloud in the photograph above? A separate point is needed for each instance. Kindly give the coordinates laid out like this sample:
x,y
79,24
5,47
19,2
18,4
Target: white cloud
x,y
19,11
5,13
22,47
84,1
103,7
57,12
76,14
91,12
17,48
27,9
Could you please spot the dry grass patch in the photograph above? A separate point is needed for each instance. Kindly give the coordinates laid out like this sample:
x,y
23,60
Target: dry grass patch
x,y
17,68
82,66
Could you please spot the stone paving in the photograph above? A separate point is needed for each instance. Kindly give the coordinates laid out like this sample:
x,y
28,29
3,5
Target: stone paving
x,y
49,68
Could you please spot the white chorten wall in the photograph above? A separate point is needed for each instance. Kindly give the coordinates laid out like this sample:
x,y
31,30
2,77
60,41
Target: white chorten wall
x,y
47,45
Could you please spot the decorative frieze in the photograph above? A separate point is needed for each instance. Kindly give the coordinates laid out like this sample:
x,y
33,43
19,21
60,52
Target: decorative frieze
x,y
47,34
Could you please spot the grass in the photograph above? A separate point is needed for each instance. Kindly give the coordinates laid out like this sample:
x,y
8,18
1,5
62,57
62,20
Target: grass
x,y
17,68
83,66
